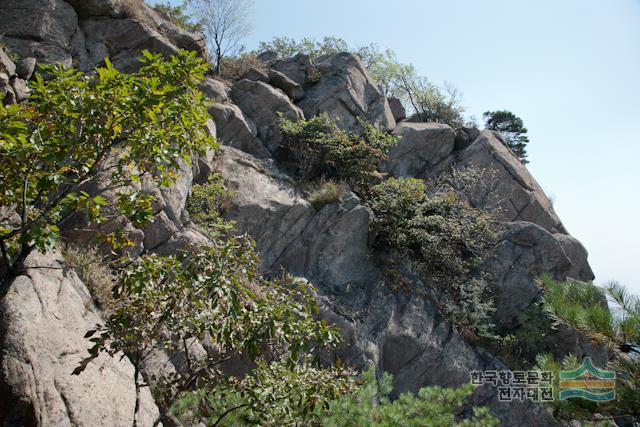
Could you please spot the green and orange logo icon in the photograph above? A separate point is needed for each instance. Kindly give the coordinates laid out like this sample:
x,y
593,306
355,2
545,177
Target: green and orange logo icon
x,y
588,382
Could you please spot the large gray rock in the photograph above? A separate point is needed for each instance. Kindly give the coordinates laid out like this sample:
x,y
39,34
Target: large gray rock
x,y
421,145
577,254
122,40
265,205
103,8
403,334
20,88
39,28
6,64
347,93
257,75
25,68
43,321
397,109
281,81
397,332
215,89
262,103
234,129
523,253
333,248
521,197
297,68
53,31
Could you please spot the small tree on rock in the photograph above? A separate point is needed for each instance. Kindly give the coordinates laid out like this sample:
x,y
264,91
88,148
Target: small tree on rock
x,y
225,24
512,129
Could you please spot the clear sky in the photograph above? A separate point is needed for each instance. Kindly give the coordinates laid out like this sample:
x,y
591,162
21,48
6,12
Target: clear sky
x,y
569,68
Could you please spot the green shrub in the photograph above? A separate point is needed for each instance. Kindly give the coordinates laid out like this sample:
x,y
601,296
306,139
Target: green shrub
x,y
431,406
207,203
319,148
446,239
215,293
449,237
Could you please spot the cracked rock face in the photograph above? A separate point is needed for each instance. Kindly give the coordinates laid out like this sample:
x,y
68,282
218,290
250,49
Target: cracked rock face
x,y
43,321
522,197
396,332
347,93
420,146
83,33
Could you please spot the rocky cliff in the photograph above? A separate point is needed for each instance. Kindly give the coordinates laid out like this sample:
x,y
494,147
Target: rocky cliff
x,y
44,318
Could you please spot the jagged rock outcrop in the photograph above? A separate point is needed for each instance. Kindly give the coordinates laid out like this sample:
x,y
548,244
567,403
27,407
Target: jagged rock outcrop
x,y
398,332
234,129
420,146
523,198
346,92
42,324
397,109
13,85
288,86
83,33
262,103
43,321
298,68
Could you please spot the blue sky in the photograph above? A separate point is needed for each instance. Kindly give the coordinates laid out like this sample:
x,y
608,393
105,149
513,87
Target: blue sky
x,y
569,68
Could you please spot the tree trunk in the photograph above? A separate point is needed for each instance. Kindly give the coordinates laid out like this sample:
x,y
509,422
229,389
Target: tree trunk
x,y
14,269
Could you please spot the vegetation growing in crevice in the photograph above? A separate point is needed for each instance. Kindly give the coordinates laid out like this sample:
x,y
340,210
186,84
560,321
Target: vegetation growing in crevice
x,y
325,193
94,271
318,147
446,240
207,204
234,68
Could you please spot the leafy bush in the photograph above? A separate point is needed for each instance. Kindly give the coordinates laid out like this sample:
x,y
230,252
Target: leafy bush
x,y
207,203
478,186
319,148
433,104
276,394
216,293
446,239
82,131
449,237
432,406
237,67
